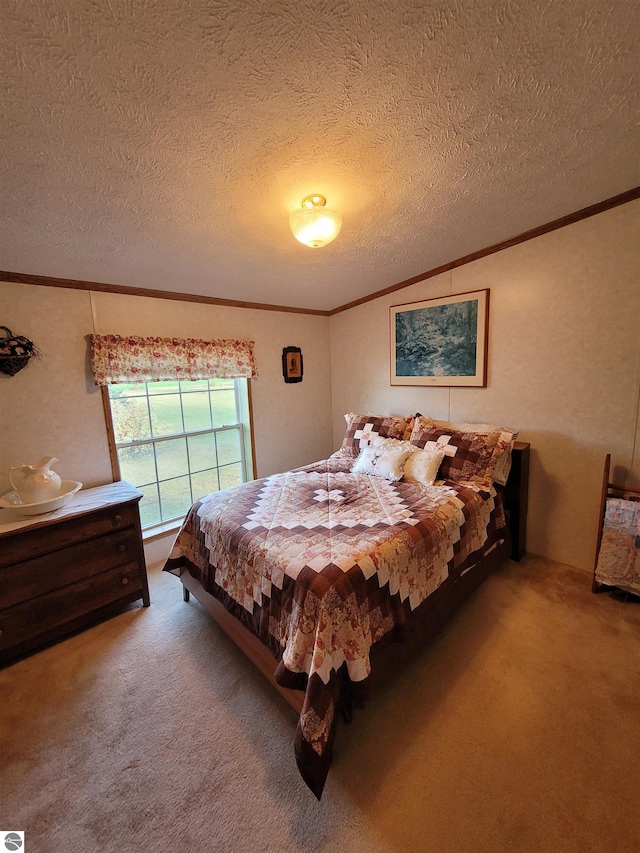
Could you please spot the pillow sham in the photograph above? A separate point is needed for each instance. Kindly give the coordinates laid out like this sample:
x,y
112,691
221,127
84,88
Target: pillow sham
x,y
421,466
469,456
503,449
362,428
385,462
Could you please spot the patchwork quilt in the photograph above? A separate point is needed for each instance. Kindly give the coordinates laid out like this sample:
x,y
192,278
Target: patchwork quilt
x,y
322,564
619,556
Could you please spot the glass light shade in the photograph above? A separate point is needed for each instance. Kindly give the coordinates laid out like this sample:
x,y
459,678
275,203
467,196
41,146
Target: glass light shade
x,y
315,225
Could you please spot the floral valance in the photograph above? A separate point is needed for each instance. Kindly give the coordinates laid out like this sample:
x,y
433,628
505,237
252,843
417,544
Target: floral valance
x,y
115,359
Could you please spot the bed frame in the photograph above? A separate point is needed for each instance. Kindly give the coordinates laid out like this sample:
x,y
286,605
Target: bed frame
x,y
516,503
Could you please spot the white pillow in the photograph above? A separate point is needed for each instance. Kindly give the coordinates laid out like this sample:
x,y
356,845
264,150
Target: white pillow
x,y
381,462
389,443
422,466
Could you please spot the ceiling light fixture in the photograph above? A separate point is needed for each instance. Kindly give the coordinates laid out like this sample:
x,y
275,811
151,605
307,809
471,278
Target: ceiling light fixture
x,y
315,225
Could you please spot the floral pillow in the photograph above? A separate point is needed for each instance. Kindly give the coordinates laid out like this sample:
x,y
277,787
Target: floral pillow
x,y
469,456
421,466
362,428
386,462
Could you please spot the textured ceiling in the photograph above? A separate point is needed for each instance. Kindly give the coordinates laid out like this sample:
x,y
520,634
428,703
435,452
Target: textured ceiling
x,y
163,143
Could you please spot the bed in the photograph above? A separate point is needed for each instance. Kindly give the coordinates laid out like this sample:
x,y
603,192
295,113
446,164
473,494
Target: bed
x,y
315,571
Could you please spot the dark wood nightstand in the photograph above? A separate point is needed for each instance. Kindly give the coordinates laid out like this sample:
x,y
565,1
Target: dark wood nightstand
x,y
517,498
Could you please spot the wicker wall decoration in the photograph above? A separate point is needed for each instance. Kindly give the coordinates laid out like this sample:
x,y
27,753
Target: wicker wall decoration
x,y
15,351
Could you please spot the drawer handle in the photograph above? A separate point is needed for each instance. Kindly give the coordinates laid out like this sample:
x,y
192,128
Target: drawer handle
x,y
125,581
118,519
122,548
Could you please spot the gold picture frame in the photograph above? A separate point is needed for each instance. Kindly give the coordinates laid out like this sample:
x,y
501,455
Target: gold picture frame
x,y
441,342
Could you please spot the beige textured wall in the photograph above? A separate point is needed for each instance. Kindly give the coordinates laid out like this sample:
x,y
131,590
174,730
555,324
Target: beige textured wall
x,y
53,408
564,367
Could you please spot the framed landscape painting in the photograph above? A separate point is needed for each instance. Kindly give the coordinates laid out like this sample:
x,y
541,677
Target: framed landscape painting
x,y
441,341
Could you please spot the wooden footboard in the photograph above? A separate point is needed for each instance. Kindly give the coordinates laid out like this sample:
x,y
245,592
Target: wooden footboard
x,y
256,651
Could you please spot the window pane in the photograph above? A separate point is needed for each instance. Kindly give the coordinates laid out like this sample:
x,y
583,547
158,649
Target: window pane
x,y
195,385
171,457
130,418
168,387
135,389
202,451
228,446
223,405
230,475
175,497
147,412
166,414
150,506
203,483
197,414
137,464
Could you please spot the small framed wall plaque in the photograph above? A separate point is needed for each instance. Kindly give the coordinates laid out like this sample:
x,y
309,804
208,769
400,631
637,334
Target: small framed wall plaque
x,y
292,364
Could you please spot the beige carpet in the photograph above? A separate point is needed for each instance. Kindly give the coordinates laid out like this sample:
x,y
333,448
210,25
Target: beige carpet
x,y
518,729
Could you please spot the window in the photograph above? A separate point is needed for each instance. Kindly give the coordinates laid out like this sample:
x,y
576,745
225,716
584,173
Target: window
x,y
177,441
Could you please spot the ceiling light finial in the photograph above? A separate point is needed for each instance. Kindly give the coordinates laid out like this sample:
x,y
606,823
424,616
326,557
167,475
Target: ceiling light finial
x,y
314,224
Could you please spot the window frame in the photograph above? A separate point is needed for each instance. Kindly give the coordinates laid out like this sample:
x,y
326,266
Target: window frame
x,y
245,413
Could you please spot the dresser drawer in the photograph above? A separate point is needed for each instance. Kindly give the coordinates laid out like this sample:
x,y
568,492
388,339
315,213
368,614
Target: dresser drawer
x,y
52,537
41,575
48,614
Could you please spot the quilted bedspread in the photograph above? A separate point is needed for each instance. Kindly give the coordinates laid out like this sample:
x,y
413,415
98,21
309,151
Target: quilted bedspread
x,y
321,564
619,556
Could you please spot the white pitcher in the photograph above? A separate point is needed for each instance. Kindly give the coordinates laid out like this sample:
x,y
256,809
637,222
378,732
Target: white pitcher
x,y
38,482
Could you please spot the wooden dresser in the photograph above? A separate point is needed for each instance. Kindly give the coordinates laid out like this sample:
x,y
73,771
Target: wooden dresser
x,y
67,569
